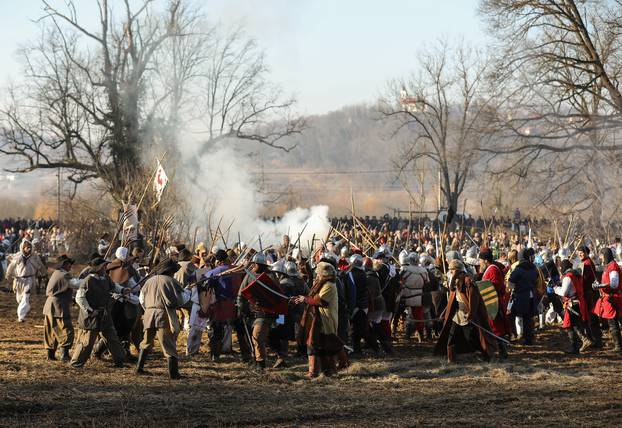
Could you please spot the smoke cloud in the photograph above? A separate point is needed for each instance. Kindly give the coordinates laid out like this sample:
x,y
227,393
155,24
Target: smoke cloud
x,y
230,194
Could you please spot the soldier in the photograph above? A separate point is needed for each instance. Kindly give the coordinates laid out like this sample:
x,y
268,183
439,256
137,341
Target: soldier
x,y
414,278
95,298
261,319
465,318
23,271
360,323
57,327
161,296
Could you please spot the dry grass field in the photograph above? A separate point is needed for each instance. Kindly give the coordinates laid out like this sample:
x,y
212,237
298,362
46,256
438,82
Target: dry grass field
x,y
535,386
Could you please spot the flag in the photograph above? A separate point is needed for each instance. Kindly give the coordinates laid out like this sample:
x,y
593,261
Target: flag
x,y
160,181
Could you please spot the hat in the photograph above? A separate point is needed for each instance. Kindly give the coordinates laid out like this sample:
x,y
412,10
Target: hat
x,y
221,255
64,258
485,253
325,270
456,265
166,267
121,253
98,262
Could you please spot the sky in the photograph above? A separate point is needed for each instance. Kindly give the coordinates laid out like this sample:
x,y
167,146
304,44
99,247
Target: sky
x,y
327,53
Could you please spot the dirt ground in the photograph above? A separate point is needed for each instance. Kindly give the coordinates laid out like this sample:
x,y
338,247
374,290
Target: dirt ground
x,y
537,385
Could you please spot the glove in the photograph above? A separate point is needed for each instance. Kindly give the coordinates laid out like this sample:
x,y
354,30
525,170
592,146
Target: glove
x,y
117,296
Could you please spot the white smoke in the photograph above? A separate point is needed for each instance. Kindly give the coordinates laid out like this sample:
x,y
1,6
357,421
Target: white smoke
x,y
229,193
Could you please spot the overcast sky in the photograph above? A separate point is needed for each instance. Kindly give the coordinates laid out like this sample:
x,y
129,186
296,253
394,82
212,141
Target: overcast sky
x,y
329,53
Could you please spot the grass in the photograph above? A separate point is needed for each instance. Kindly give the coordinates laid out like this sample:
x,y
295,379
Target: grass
x,y
537,385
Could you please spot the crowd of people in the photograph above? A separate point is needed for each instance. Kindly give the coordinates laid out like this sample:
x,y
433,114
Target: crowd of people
x,y
352,294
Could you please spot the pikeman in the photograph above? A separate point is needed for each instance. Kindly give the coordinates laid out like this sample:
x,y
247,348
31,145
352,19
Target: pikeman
x,y
609,304
283,330
389,286
575,310
466,320
95,300
492,272
160,297
414,279
124,310
260,319
360,323
588,273
23,271
57,327
223,309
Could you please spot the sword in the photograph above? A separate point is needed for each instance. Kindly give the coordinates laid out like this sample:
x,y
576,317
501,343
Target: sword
x,y
490,332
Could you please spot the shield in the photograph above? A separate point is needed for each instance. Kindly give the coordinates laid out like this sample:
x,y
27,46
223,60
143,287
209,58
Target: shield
x,y
267,295
490,297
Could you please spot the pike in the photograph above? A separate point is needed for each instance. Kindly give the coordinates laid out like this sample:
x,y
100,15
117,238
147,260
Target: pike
x,y
297,240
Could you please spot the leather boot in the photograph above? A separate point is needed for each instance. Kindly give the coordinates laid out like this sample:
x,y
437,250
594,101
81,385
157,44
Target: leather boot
x,y
573,347
451,354
51,355
313,367
140,365
64,355
503,350
260,365
329,367
173,368
280,363
586,343
129,358
614,330
342,357
99,349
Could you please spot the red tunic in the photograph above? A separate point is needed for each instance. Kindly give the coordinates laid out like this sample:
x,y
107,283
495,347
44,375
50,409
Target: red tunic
x,y
499,324
609,305
577,284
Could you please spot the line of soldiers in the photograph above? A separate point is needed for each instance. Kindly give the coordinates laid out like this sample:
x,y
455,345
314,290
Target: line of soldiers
x,y
333,303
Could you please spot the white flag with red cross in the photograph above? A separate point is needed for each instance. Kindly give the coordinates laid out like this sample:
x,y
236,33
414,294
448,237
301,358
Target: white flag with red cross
x,y
160,181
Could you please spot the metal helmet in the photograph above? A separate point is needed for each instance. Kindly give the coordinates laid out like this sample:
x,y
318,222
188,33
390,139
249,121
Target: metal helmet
x,y
563,253
259,259
344,252
356,260
619,250
368,264
472,252
291,269
414,258
382,252
404,259
453,255
329,255
425,260
546,255
279,267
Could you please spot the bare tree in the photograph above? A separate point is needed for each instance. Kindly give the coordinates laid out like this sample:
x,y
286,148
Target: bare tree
x,y
95,101
560,63
237,99
442,112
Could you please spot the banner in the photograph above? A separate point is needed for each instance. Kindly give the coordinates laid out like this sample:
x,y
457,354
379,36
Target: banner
x,y
160,181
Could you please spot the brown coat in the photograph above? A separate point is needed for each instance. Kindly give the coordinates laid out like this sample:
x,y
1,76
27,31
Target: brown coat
x,y
162,295
476,312
59,295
